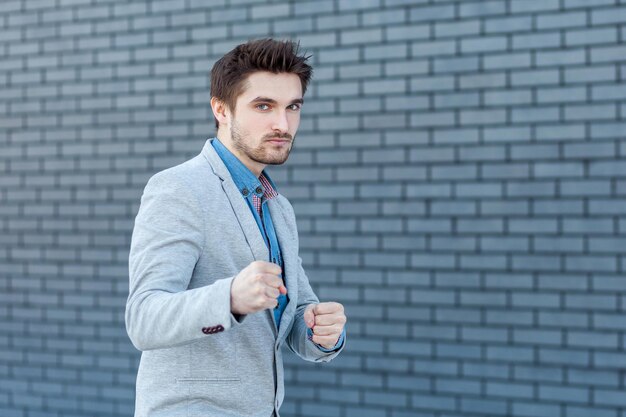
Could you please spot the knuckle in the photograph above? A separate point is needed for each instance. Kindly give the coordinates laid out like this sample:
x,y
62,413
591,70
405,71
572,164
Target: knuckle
x,y
270,303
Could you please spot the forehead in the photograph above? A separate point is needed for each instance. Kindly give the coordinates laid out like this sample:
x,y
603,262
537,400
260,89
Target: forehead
x,y
282,87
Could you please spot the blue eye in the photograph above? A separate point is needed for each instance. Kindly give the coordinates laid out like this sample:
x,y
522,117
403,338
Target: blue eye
x,y
262,106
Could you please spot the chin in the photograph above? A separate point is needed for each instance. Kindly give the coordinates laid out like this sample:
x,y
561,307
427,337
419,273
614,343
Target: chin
x,y
277,160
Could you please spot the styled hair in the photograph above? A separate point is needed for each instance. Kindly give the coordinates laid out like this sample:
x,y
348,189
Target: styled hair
x,y
230,72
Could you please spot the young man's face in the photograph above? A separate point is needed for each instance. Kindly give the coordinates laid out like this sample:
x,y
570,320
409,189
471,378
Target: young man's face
x,y
266,117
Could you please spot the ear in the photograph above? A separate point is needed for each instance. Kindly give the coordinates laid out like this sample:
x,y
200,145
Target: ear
x,y
220,111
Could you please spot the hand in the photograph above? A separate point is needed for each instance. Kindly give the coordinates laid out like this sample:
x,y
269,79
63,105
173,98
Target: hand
x,y
327,321
256,288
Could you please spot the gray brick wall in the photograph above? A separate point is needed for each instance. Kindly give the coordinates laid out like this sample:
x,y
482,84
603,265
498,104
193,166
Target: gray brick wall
x,y
459,181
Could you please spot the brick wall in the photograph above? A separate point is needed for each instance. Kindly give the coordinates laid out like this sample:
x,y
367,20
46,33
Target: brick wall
x,y
459,181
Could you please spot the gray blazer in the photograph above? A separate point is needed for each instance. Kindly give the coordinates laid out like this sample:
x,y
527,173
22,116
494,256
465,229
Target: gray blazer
x,y
193,233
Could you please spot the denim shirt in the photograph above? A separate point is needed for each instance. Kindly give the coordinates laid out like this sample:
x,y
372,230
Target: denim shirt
x,y
249,185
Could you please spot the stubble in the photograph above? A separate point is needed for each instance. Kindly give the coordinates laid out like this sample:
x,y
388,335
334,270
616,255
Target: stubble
x,y
265,152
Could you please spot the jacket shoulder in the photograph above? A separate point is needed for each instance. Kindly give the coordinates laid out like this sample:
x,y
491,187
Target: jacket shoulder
x,y
195,174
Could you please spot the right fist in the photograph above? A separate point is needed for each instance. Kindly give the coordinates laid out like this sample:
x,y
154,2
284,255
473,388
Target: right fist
x,y
256,288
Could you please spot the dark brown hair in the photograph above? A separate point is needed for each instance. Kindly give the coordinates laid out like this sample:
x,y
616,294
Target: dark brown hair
x,y
229,74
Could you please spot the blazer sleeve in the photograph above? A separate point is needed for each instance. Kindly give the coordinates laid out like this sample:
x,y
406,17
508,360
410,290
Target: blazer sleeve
x,y
297,339
167,241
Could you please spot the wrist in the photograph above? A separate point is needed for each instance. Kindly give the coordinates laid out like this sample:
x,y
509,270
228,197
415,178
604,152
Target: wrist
x,y
234,306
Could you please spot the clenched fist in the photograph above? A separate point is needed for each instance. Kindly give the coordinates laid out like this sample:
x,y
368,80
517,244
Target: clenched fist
x,y
326,320
256,288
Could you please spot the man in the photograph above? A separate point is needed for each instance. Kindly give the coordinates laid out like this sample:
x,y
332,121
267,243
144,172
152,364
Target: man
x,y
216,283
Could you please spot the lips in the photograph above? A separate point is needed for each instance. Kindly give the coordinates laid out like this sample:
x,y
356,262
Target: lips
x,y
279,140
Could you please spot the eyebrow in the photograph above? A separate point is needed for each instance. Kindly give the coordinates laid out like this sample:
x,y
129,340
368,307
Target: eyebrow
x,y
272,101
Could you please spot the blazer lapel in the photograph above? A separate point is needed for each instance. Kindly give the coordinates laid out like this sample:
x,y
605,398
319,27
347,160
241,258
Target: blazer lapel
x,y
240,207
289,252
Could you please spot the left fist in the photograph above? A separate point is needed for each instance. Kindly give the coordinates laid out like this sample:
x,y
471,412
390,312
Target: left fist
x,y
326,320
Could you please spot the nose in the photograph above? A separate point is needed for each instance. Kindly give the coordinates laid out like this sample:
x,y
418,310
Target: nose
x,y
280,122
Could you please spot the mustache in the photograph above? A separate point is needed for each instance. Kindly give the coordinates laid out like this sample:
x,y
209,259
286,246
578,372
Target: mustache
x,y
275,136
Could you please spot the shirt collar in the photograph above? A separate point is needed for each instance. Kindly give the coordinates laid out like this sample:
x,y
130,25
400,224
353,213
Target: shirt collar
x,y
244,179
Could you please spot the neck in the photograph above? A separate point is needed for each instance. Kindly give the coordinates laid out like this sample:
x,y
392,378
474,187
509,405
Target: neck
x,y
255,167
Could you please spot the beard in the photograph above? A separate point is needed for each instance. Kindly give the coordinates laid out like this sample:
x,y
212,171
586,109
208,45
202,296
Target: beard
x,y
265,152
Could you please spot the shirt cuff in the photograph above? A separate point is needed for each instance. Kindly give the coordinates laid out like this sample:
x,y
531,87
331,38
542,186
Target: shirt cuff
x,y
309,334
